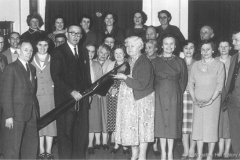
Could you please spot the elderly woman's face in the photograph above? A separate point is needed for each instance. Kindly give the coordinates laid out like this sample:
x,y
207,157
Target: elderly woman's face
x,y
42,47
132,49
102,54
137,19
188,50
109,20
34,23
168,45
119,54
59,24
224,48
207,51
163,18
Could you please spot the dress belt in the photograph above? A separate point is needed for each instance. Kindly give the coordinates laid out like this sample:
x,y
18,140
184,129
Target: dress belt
x,y
169,78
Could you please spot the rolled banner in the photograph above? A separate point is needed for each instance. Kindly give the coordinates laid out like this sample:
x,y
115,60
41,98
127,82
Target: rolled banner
x,y
101,87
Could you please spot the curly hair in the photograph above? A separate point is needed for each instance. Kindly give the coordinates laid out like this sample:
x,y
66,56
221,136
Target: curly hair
x,y
36,16
60,17
143,14
88,17
115,18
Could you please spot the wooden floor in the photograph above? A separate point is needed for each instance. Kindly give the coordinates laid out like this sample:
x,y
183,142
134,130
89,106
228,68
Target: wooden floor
x,y
105,154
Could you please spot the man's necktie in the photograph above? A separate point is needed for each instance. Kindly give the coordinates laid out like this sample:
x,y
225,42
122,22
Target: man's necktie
x,y
28,71
75,53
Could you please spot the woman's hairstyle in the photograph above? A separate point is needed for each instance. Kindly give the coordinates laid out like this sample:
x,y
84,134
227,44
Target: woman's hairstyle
x,y
115,18
57,17
186,42
224,40
167,13
169,35
120,46
36,16
143,14
109,36
106,47
45,39
90,44
134,40
153,42
86,16
207,42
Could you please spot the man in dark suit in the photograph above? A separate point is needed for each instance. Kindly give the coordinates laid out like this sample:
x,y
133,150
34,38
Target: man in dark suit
x,y
12,52
19,103
71,76
3,63
231,95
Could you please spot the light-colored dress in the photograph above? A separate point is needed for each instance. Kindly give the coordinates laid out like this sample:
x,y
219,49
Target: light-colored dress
x,y
45,93
135,119
204,80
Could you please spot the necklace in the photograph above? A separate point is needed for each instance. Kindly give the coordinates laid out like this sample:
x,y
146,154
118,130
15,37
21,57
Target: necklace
x,y
204,67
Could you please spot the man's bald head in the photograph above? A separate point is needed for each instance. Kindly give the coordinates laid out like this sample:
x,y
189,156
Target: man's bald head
x,y
206,33
151,33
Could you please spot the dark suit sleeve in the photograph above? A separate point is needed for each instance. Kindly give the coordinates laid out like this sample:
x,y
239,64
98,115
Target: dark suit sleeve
x,y
7,92
144,72
184,75
56,69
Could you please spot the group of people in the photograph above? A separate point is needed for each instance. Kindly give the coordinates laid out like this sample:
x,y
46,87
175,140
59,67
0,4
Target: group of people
x,y
167,95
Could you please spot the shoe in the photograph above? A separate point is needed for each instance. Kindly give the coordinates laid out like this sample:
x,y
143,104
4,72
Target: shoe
x,y
126,151
97,146
90,150
41,156
105,146
184,157
114,150
156,153
49,155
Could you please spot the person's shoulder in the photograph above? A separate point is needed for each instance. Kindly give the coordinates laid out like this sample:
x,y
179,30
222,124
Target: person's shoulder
x,y
7,51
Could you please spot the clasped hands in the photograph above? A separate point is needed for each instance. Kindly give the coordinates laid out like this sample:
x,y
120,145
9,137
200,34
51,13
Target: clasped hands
x,y
202,103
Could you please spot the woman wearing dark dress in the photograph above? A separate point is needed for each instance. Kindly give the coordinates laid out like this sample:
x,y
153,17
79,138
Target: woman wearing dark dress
x,y
45,95
33,34
110,29
89,37
138,29
165,28
112,96
170,83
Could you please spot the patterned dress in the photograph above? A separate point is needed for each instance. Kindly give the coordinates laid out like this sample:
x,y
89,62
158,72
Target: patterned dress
x,y
135,119
187,107
112,98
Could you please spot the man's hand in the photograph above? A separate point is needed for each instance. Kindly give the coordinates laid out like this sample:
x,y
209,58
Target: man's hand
x,y
76,95
9,123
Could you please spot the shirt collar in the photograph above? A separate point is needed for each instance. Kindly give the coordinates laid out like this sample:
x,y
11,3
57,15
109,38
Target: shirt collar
x,y
72,47
13,50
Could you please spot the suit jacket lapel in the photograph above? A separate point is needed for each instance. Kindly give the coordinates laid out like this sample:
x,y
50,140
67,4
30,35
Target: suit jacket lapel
x,y
23,70
231,70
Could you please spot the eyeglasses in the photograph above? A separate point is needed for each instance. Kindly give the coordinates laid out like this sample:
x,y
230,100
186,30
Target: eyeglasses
x,y
75,34
162,17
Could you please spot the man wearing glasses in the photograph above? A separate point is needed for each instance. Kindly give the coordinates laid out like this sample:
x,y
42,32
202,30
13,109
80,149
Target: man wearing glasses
x,y
71,76
12,52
